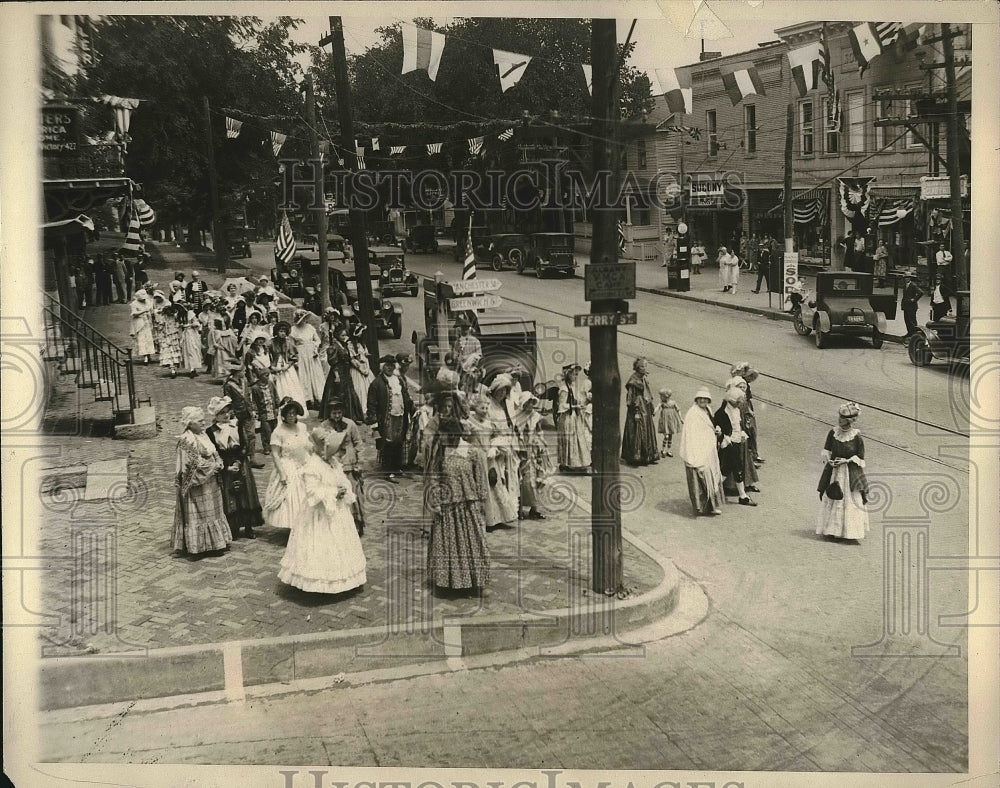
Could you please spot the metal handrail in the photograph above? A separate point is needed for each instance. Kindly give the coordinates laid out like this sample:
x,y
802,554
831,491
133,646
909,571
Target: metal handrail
x,y
103,365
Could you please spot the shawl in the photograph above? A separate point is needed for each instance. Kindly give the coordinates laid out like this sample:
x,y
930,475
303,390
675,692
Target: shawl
x,y
698,446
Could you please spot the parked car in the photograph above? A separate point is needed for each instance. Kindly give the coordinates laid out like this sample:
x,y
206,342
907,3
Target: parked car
x,y
394,277
238,242
388,314
507,248
310,242
842,304
421,239
946,339
549,252
383,232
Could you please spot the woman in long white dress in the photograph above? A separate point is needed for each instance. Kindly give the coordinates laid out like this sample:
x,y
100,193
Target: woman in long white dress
x,y
843,486
191,352
699,450
283,358
141,327
313,498
306,339
729,270
361,369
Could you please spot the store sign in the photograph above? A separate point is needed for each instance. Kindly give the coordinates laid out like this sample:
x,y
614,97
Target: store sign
x,y
790,277
939,188
60,132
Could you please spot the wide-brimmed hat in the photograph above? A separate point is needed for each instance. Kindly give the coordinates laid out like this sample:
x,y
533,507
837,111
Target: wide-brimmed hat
x,y
527,400
141,295
703,393
188,414
299,315
218,404
404,358
503,380
567,367
387,359
849,410
359,329
282,324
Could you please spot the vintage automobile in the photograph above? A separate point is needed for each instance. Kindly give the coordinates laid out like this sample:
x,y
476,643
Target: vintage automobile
x,y
843,304
421,239
310,242
302,271
382,232
549,252
504,248
238,242
946,339
394,277
479,242
388,314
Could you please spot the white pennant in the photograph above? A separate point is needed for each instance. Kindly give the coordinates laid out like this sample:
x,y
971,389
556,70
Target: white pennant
x,y
511,67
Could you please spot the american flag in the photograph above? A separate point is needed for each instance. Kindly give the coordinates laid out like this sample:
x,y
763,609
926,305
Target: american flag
x,y
233,127
469,266
132,239
433,147
360,153
284,247
504,136
475,145
396,150
622,239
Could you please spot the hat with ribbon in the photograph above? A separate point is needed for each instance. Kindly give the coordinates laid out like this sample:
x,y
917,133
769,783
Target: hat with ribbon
x,y
849,410
503,380
189,414
218,404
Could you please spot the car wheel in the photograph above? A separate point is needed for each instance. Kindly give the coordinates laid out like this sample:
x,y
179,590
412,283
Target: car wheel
x,y
397,327
821,338
877,339
918,350
497,262
515,255
800,328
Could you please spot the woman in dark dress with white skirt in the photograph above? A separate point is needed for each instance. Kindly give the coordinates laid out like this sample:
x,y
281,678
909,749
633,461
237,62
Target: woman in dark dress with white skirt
x,y
843,486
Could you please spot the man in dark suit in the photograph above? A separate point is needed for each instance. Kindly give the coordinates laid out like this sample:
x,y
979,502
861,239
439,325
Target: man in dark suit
x,y
389,406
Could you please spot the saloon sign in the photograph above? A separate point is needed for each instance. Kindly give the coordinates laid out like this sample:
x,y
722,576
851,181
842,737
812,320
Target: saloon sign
x,y
60,132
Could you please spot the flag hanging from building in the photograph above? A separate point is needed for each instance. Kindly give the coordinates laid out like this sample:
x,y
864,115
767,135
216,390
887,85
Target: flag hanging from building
x,y
803,62
675,87
893,211
433,147
284,246
133,241
469,266
475,145
871,39
233,127
277,140
588,77
511,67
505,136
396,150
910,37
829,79
741,81
692,131
375,145
145,214
422,50
622,238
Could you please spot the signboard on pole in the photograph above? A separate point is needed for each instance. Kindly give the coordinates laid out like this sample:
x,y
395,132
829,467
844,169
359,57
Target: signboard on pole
x,y
605,319
609,281
790,277
474,302
939,188
475,286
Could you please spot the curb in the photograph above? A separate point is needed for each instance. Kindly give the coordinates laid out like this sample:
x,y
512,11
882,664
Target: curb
x,y
231,667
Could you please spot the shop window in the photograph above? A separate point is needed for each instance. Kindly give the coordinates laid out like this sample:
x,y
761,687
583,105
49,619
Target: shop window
x,y
711,126
831,138
806,128
883,136
640,154
750,128
855,121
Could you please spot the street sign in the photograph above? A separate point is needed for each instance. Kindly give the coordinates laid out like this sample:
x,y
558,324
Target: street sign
x,y
605,319
609,281
474,302
475,286
790,277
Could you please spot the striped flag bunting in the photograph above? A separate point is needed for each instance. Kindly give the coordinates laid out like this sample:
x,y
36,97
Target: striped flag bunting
x,y
233,127
803,62
396,150
808,211
433,147
505,136
375,145
421,50
284,246
741,81
889,211
511,67
588,77
475,145
145,214
359,153
829,79
676,92
469,265
910,37
871,39
622,238
277,140
133,241
692,131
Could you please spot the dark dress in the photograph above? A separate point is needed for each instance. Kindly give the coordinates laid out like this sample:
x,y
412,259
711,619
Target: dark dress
x,y
339,384
639,438
457,555
240,500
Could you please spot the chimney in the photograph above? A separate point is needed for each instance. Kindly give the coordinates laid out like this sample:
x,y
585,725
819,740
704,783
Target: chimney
x,y
708,56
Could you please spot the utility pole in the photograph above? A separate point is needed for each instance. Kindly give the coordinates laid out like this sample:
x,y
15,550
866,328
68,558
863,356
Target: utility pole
x,y
954,166
789,197
218,231
319,193
359,238
606,523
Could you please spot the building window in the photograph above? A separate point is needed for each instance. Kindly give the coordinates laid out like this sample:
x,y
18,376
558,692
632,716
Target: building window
x,y
640,154
855,122
806,128
639,212
750,128
883,111
831,120
713,132
911,111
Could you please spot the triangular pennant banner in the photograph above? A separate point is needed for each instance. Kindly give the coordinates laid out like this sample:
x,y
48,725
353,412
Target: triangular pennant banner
x,y
505,136
396,150
233,127
433,147
475,145
588,76
510,66
802,62
678,96
277,140
421,50
741,81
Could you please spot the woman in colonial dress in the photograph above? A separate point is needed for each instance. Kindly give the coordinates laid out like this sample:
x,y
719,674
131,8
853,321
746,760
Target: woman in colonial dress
x,y
254,328
170,338
338,441
361,368
160,302
141,326
740,388
338,379
257,358
572,441
537,465
192,356
283,358
457,555
226,347
240,501
843,512
732,446
314,499
503,457
306,340
698,449
328,325
639,436
200,524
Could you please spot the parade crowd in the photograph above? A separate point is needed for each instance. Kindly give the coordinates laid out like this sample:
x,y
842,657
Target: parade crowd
x,y
475,435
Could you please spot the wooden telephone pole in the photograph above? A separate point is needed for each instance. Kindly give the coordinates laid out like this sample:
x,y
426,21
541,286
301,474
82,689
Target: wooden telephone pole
x,y
218,230
606,524
954,167
319,193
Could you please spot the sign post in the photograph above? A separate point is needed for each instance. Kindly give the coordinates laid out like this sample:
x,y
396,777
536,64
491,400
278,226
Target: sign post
x,y
790,278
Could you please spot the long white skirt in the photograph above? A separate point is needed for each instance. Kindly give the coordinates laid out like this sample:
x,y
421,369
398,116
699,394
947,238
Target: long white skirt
x,y
846,518
287,384
311,375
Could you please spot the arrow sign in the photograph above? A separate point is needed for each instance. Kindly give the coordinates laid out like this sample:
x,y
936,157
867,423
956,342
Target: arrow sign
x,y
475,286
474,302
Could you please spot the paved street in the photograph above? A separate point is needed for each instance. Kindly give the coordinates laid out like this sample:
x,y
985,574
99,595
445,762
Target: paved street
x,y
790,604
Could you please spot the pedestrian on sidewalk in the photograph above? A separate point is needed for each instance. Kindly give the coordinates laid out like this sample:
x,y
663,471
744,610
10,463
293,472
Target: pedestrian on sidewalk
x,y
881,261
139,270
123,286
728,418
505,448
171,321
639,434
240,500
749,375
763,265
200,524
729,270
669,247
698,448
103,276
387,407
909,302
141,326
941,298
338,440
843,486
191,351
313,499
264,398
698,257
667,417
737,386
236,388
457,555
573,447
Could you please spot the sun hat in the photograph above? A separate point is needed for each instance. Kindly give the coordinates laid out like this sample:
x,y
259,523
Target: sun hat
x,y
703,393
188,414
218,404
849,410
282,324
503,380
